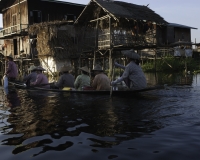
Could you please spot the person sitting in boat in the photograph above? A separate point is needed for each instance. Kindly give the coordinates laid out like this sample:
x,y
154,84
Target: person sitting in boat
x,y
11,70
101,81
133,75
82,80
41,80
66,79
32,76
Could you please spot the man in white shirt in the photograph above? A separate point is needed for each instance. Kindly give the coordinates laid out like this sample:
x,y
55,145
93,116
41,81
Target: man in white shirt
x,y
133,75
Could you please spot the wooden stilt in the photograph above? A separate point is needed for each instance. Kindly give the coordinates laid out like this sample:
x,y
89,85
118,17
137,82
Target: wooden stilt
x,y
110,64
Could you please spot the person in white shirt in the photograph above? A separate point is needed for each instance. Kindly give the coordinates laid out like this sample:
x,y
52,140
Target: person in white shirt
x,y
133,75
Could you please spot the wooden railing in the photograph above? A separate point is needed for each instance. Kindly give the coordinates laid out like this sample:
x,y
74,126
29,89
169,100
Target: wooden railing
x,y
16,29
124,38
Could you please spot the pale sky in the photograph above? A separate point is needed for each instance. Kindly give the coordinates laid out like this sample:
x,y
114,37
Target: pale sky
x,y
173,11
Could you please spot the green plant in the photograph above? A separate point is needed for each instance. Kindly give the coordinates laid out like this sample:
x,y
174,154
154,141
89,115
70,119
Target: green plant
x,y
171,64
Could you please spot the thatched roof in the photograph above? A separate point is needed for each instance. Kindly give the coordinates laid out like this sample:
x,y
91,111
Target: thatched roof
x,y
117,9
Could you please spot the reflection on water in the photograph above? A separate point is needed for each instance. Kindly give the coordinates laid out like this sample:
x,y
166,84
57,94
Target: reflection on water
x,y
69,116
91,126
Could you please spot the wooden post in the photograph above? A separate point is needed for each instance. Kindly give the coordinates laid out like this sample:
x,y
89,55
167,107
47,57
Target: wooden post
x,y
89,64
47,65
120,56
110,52
110,32
103,63
186,65
110,64
21,67
155,62
19,15
94,59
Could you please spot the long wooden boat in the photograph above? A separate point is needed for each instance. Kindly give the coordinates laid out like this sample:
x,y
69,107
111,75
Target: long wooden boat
x,y
114,92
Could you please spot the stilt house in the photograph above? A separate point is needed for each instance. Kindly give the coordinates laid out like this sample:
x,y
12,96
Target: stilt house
x,y
19,15
112,26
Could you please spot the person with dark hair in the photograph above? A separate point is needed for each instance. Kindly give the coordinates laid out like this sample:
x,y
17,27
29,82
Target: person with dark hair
x,y
11,70
101,81
66,79
32,76
82,80
133,75
41,79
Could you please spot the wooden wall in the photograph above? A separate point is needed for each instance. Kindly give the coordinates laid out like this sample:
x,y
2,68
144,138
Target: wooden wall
x,y
174,34
182,34
51,11
170,35
14,9
47,11
26,12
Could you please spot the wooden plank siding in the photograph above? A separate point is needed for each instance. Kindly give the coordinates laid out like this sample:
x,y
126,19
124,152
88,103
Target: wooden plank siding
x,y
14,9
18,15
182,34
51,11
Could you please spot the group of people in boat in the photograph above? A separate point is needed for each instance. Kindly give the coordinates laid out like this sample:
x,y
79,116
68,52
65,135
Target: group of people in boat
x,y
133,75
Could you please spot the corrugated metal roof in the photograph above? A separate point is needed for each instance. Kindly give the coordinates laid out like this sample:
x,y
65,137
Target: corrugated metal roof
x,y
180,26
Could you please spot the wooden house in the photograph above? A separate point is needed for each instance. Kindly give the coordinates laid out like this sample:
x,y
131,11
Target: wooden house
x,y
177,32
19,15
111,26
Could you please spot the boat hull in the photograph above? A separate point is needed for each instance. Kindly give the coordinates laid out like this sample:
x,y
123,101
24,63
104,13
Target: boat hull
x,y
114,92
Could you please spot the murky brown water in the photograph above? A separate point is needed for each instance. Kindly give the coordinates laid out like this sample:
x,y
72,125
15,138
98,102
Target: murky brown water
x,y
158,124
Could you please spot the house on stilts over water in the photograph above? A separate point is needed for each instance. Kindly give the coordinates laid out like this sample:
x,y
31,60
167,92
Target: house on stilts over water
x,y
24,19
54,33
112,26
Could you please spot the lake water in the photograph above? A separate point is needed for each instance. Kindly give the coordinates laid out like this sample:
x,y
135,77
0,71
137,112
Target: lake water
x,y
160,124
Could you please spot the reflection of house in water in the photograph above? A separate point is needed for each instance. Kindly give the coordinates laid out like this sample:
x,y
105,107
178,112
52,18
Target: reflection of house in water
x,y
55,123
186,79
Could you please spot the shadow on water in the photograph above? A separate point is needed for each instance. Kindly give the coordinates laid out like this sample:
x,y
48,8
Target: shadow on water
x,y
44,122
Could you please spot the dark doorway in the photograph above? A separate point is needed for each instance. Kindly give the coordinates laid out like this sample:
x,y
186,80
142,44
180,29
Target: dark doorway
x,y
37,16
15,46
